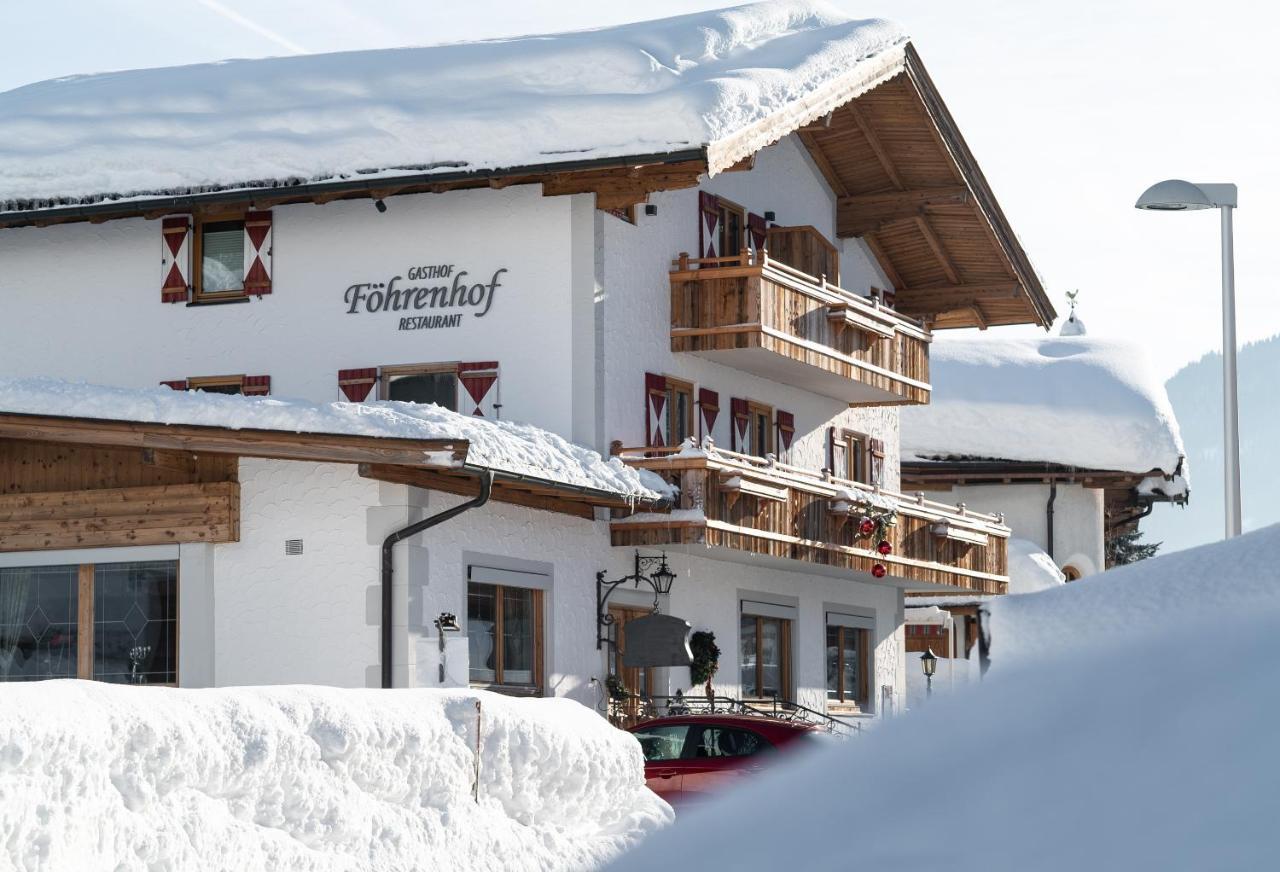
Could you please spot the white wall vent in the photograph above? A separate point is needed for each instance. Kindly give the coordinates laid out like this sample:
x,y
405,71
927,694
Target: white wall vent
x,y
292,547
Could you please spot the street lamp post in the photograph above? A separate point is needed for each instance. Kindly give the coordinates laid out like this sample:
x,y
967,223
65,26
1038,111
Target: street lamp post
x,y
1176,195
929,663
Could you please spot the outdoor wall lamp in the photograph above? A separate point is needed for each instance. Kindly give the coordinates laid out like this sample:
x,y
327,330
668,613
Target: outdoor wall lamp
x,y
659,579
447,622
379,205
1175,195
929,663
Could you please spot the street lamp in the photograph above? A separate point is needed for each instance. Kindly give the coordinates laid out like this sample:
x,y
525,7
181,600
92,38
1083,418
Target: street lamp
x,y
929,663
447,622
1176,195
659,581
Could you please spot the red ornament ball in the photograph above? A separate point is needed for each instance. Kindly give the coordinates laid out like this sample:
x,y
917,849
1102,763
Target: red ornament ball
x,y
867,527
884,547
878,570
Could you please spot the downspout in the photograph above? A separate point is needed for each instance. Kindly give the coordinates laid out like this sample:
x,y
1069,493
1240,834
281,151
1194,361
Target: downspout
x,y
388,545
1048,514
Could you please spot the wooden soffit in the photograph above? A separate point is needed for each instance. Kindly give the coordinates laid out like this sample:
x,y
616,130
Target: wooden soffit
x,y
908,186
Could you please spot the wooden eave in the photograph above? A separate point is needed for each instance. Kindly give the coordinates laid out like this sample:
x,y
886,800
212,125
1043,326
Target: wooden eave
x,y
908,186
272,444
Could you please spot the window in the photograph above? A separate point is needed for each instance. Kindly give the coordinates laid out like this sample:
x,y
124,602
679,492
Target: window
x,y
426,383
850,456
218,384
847,664
679,411
765,657
219,256
733,226
659,743
115,622
504,635
713,741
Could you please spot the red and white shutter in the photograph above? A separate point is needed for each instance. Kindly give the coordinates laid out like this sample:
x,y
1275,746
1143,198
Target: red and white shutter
x,y
175,259
708,225
655,409
478,389
257,253
177,385
757,231
786,432
356,384
256,385
740,435
708,411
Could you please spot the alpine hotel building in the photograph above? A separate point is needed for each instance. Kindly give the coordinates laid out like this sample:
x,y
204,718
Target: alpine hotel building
x,y
741,316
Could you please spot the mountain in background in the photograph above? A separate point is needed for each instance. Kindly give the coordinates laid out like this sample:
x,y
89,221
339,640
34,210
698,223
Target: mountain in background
x,y
1196,394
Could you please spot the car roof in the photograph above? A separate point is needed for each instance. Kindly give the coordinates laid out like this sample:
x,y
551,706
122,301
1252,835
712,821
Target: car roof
x,y
758,723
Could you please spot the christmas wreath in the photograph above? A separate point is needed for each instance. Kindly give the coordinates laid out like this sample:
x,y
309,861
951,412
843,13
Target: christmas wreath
x,y
706,658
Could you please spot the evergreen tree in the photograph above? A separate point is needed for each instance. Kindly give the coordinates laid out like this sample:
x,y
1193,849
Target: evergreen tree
x,y
1125,548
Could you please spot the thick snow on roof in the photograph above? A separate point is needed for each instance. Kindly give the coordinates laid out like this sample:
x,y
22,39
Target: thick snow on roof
x,y
500,445
1131,725
1073,400
654,87
310,779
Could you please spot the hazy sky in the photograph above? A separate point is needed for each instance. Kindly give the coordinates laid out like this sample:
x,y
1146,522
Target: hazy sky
x,y
1072,110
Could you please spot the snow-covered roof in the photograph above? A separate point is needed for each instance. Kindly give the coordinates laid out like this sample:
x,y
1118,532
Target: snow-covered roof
x,y
728,81
1077,401
505,446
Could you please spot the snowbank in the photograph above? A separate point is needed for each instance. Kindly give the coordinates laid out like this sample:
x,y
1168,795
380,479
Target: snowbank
x,y
1141,736
658,86
1072,400
96,776
500,445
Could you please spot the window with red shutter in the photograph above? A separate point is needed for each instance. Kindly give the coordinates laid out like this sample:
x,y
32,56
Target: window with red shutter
x,y
740,424
708,411
708,225
786,432
757,231
478,389
175,259
256,385
177,385
655,409
257,253
357,384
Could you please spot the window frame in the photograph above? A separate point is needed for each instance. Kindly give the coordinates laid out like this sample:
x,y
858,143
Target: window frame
x,y
857,453
755,412
216,381
862,698
387,373
680,387
785,664
86,619
198,221
728,207
537,688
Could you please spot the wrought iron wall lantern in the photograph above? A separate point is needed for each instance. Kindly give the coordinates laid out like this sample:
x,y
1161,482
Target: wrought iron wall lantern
x,y
659,579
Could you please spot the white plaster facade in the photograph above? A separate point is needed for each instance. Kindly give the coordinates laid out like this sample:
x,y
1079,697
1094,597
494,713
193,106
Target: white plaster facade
x,y
582,314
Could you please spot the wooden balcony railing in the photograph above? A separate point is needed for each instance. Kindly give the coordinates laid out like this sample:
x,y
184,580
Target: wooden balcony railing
x,y
740,503
756,313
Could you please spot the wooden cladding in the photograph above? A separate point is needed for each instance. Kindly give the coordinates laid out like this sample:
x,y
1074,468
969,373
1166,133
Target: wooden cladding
x,y
795,521
838,344
155,515
28,466
807,250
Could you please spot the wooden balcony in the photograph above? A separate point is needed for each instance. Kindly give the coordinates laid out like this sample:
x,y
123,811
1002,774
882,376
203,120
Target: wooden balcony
x,y
755,313
736,507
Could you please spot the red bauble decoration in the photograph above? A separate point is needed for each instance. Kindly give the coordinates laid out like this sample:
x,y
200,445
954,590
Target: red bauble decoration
x,y
884,547
867,527
878,570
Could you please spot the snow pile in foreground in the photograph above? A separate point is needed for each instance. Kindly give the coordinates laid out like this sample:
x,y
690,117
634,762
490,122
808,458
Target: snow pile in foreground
x,y
96,776
501,445
1075,400
669,85
1145,743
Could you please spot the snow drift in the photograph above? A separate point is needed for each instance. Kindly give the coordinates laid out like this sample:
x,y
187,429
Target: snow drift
x,y
1131,727
96,776
1072,400
504,445
670,85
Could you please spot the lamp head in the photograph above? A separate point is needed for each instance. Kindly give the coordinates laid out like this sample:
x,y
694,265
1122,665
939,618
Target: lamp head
x,y
928,662
448,623
662,577
1176,195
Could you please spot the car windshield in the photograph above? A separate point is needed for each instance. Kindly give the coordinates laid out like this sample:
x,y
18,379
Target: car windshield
x,y
662,742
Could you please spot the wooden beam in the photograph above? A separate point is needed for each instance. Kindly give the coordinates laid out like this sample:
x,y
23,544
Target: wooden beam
x,y
876,146
869,213
882,258
938,249
824,164
462,485
273,444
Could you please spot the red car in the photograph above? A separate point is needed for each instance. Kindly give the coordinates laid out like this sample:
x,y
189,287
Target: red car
x,y
691,756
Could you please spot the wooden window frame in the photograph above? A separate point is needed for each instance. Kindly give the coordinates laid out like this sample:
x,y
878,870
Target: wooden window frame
x,y
859,456
539,643
198,221
387,373
676,387
85,615
216,381
785,646
861,699
754,411
726,208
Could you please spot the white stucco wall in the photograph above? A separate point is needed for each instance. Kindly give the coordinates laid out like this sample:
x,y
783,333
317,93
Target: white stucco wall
x,y
94,291
1079,521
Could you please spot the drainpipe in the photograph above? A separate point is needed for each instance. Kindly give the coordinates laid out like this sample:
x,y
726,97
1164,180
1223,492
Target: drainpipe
x,y
388,544
1048,514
